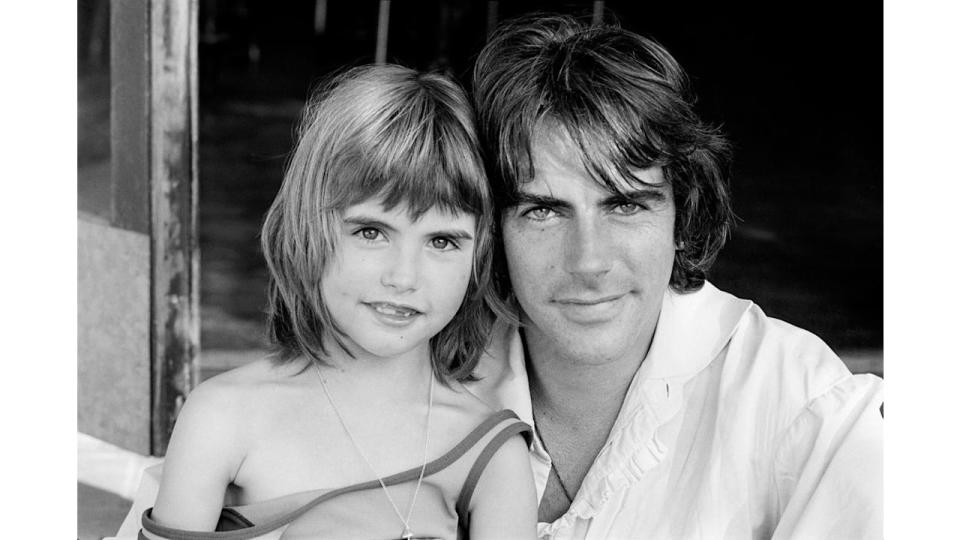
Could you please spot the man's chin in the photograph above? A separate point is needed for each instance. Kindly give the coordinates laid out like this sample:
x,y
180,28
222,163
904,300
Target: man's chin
x,y
589,344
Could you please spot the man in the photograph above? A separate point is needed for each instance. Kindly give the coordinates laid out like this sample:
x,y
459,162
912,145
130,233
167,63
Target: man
x,y
663,407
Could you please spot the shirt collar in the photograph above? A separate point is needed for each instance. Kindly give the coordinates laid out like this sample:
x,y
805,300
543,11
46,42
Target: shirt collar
x,y
692,330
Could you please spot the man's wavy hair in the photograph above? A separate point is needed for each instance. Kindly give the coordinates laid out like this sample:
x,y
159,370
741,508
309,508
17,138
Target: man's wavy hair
x,y
624,103
377,132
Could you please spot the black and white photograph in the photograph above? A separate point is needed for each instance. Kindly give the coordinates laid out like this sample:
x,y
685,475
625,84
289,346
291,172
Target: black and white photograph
x,y
452,269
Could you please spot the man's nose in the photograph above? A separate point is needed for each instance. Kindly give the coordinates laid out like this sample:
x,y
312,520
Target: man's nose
x,y
588,248
401,269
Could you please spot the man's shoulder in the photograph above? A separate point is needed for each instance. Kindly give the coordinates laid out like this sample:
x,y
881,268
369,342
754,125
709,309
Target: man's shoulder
x,y
789,362
740,320
782,344
769,373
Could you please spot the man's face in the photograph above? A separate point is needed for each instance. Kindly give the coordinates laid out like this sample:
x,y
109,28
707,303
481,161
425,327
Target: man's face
x,y
589,267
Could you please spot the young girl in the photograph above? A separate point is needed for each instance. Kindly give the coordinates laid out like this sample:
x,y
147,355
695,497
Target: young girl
x,y
379,250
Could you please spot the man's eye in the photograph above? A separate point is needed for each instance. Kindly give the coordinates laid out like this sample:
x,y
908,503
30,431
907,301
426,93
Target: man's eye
x,y
443,243
627,209
538,213
368,233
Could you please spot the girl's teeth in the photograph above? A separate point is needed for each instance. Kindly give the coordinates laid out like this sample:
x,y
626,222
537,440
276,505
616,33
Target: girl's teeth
x,y
386,310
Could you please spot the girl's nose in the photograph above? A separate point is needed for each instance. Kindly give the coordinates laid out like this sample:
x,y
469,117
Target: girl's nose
x,y
401,270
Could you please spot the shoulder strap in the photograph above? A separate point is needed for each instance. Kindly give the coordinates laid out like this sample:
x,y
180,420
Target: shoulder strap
x,y
473,477
409,475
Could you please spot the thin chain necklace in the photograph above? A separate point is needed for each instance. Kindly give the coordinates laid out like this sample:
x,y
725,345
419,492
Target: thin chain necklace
x,y
407,533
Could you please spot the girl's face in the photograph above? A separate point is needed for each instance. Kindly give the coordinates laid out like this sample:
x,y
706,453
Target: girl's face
x,y
394,283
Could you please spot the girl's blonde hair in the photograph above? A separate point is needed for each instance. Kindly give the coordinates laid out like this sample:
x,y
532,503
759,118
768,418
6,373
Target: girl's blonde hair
x,y
397,135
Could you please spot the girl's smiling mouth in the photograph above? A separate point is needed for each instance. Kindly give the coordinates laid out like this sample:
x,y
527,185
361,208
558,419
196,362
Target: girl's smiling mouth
x,y
394,312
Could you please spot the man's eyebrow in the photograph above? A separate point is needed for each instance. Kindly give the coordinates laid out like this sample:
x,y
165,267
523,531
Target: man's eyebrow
x,y
636,196
533,199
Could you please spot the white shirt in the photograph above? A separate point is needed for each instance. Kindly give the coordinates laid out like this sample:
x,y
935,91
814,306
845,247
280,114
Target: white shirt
x,y
736,425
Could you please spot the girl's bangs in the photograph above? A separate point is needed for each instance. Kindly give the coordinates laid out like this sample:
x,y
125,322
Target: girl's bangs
x,y
421,178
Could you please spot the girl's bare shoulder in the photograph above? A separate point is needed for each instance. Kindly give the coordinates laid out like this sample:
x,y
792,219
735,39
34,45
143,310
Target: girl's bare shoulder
x,y
463,408
221,420
261,372
243,393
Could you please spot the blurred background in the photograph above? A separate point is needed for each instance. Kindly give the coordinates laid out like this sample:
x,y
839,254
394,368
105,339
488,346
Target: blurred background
x,y
796,87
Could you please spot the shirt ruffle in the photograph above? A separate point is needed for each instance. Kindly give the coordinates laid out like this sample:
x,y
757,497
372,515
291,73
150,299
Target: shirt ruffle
x,y
634,448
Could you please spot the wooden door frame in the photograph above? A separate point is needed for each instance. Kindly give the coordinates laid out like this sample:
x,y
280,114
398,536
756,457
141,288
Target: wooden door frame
x,y
155,183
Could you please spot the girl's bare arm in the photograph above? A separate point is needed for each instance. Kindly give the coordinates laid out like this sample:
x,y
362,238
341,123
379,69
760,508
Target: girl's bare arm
x,y
202,458
504,505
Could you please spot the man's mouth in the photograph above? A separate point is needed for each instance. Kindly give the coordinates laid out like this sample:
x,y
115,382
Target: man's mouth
x,y
588,301
591,309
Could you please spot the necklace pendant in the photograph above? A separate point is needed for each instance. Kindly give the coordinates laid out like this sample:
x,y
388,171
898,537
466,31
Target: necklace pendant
x,y
407,534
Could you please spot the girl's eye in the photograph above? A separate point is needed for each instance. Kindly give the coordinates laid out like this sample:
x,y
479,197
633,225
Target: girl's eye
x,y
538,213
368,233
442,243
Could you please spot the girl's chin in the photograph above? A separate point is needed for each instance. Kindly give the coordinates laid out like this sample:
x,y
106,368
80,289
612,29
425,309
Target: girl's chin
x,y
388,350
